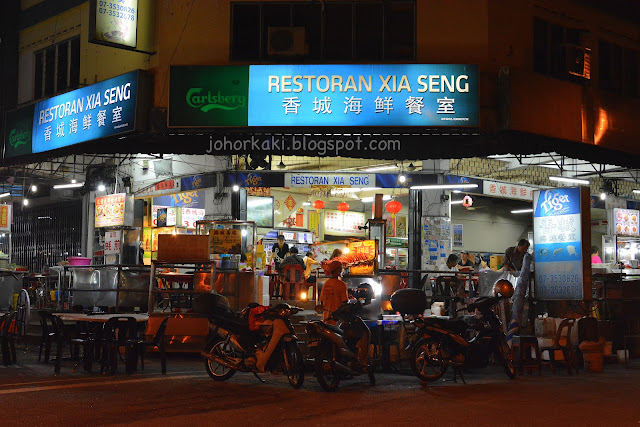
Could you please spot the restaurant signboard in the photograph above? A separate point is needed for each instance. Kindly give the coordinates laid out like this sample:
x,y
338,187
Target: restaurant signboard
x,y
110,210
324,95
114,22
557,231
5,217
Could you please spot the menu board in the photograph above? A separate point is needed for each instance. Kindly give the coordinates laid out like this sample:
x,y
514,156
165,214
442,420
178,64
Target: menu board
x,y
225,241
110,210
191,215
343,223
625,222
557,235
5,217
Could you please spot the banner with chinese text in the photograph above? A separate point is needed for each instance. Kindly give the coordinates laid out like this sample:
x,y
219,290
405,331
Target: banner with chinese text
x,y
225,241
110,210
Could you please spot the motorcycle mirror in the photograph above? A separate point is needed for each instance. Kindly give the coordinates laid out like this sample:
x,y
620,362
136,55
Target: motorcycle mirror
x,y
318,309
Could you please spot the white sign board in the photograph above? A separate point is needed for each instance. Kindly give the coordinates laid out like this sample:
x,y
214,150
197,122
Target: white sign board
x,y
307,180
507,190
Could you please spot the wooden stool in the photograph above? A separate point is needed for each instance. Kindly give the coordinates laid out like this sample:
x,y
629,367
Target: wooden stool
x,y
524,344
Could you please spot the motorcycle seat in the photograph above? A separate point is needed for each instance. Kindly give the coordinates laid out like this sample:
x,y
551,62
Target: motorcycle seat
x,y
333,328
458,325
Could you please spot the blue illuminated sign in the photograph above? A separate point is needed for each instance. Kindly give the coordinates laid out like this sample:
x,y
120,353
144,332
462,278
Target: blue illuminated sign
x,y
92,112
363,95
558,244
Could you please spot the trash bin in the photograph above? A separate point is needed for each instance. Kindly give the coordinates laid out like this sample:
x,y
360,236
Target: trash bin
x,y
593,355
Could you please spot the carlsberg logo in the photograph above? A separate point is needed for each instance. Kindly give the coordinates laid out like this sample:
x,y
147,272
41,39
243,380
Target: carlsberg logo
x,y
554,201
18,137
205,102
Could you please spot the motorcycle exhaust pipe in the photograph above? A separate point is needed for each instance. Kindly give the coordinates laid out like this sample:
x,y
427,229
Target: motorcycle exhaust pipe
x,y
343,369
219,360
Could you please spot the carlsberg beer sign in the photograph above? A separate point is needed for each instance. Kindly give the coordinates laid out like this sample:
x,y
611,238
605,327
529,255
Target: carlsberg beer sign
x,y
17,137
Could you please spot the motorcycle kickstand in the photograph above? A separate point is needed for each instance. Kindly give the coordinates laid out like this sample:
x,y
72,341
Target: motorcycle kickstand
x,y
258,377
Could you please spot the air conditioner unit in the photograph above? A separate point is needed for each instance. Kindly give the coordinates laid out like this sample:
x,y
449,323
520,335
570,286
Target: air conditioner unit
x,y
577,60
286,41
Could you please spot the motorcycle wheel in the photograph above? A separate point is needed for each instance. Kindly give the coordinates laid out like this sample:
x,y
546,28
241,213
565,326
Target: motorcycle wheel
x,y
421,364
326,373
370,373
215,370
293,364
506,356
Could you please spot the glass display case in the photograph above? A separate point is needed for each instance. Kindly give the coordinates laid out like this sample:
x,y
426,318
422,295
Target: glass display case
x,y
397,253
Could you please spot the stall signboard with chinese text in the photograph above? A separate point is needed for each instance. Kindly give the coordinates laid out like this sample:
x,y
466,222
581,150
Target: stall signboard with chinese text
x,y
626,222
343,223
225,241
363,252
112,243
110,210
191,215
557,232
507,190
100,110
5,217
114,22
193,200
324,95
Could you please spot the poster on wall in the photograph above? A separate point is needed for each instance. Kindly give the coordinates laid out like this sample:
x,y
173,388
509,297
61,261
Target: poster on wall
x,y
557,232
110,210
436,240
313,223
401,226
457,236
260,211
113,22
5,217
391,225
225,241
625,222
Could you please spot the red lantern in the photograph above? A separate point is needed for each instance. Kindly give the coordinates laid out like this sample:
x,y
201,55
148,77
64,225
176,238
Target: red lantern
x,y
343,207
318,204
393,207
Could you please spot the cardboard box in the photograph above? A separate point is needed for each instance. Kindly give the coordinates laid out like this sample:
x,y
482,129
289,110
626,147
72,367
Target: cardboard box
x,y
495,261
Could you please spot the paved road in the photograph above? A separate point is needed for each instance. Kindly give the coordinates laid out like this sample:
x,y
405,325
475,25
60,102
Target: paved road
x,y
31,395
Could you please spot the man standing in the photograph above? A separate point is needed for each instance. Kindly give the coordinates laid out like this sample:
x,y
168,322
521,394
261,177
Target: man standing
x,y
464,259
279,252
334,291
514,255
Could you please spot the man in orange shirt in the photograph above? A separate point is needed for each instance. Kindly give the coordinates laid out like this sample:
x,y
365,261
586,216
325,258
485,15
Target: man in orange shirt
x,y
334,291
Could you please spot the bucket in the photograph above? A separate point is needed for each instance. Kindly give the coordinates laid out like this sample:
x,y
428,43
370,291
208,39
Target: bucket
x,y
78,260
593,356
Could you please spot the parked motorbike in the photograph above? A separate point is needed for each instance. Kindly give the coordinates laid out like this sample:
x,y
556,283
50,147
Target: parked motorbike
x,y
440,343
342,351
259,339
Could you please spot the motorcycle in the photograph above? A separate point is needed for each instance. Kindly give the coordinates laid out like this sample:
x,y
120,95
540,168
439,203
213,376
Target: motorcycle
x,y
259,339
440,343
342,351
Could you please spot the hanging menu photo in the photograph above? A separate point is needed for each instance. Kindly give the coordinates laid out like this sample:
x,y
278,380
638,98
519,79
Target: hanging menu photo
x,y
110,210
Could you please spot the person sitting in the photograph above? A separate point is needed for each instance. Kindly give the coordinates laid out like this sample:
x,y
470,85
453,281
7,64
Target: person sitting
x,y
336,253
309,261
334,291
595,255
293,258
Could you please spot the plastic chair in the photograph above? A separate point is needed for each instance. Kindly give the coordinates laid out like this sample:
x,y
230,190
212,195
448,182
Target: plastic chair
x,y
58,334
522,346
140,346
293,274
566,347
116,334
7,338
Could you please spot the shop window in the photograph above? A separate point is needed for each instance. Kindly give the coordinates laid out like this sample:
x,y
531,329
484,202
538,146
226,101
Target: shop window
x,y
57,68
618,69
559,52
340,30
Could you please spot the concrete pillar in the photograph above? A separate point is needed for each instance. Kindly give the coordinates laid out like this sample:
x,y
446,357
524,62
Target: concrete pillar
x,y
436,232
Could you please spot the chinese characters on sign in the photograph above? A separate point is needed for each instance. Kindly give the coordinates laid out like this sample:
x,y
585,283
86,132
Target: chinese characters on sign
x,y
110,210
5,217
507,190
112,243
558,244
362,251
92,112
347,223
363,95
225,241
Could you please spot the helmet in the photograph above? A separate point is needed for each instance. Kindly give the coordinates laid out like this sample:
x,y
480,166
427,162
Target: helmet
x,y
504,288
364,292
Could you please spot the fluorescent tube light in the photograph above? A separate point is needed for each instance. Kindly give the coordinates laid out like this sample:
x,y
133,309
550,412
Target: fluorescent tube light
x,y
381,168
370,199
635,191
569,180
76,185
457,202
519,211
4,195
443,186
